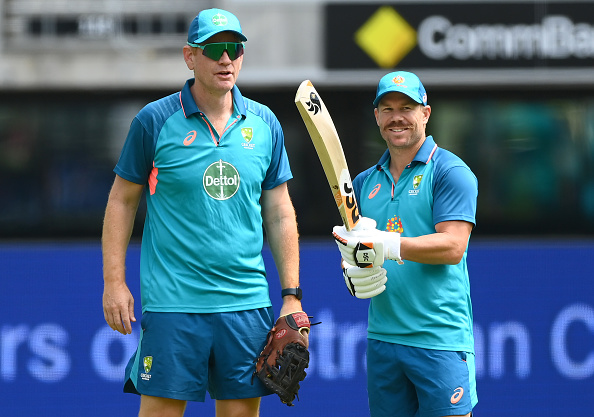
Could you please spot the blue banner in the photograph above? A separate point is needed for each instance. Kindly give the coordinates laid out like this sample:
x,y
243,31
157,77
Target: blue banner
x,y
534,329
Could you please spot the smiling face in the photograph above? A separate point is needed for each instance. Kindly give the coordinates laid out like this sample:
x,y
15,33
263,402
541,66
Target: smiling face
x,y
402,121
216,77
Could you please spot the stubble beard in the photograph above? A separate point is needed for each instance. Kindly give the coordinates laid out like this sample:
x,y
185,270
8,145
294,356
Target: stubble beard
x,y
414,137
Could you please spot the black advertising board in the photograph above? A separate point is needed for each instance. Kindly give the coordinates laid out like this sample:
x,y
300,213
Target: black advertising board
x,y
490,35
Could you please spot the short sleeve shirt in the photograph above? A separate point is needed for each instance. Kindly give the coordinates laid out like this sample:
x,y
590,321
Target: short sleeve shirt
x,y
203,236
425,306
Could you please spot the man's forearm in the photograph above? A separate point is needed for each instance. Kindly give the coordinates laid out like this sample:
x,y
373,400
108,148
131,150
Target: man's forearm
x,y
114,242
117,229
283,240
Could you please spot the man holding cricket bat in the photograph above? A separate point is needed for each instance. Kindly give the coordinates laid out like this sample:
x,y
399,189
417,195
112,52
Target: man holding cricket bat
x,y
215,168
408,254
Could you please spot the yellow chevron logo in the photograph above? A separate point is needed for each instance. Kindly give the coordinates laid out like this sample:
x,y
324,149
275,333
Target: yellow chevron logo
x,y
386,37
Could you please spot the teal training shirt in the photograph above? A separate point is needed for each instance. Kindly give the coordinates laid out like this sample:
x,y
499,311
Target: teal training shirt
x,y
426,306
203,234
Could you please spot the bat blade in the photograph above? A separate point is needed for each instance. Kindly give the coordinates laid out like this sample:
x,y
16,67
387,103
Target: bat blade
x,y
329,148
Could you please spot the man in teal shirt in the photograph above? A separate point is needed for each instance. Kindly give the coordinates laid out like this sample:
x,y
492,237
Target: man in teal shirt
x,y
408,254
215,169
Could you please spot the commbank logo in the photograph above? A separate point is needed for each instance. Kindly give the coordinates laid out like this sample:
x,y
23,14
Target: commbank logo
x,y
386,37
221,180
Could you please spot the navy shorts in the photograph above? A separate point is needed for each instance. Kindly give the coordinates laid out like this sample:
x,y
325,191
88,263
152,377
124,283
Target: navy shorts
x,y
415,382
183,355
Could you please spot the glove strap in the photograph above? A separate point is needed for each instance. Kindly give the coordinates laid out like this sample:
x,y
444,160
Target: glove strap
x,y
298,320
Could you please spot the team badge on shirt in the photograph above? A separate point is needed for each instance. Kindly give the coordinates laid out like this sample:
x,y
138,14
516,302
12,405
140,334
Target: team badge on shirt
x,y
416,183
248,134
221,180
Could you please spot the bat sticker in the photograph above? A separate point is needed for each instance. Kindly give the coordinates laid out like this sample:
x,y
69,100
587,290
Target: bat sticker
x,y
313,103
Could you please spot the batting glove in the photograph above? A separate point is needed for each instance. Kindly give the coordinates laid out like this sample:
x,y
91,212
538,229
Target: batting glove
x,y
365,246
364,282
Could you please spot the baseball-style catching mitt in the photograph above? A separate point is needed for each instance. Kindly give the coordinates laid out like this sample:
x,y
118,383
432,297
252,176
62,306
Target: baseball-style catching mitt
x,y
281,365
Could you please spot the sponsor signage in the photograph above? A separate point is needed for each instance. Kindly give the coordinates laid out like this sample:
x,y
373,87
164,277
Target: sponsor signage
x,y
533,306
460,35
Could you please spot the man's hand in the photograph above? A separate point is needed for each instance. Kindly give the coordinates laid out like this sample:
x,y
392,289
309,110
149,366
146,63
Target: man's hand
x,y
282,363
364,282
118,307
365,246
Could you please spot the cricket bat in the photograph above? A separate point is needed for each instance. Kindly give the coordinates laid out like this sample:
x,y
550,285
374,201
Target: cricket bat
x,y
327,143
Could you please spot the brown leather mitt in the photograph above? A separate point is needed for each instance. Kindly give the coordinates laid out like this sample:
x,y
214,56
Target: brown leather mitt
x,y
281,365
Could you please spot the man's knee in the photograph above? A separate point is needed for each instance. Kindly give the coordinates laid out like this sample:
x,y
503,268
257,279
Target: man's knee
x,y
247,407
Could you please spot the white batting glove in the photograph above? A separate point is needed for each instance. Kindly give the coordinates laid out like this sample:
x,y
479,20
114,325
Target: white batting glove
x,y
365,246
364,282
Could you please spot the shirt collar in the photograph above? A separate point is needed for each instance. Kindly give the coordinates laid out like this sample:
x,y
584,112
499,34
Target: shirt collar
x,y
426,152
190,107
423,155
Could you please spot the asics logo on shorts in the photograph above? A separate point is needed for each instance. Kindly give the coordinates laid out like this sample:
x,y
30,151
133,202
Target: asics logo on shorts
x,y
457,396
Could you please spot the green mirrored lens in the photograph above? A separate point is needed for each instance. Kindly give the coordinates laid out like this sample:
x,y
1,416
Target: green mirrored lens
x,y
214,51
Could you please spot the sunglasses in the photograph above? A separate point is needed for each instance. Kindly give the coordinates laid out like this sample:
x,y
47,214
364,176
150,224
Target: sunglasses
x,y
215,51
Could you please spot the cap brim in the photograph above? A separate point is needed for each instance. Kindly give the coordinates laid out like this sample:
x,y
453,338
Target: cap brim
x,y
396,90
211,34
